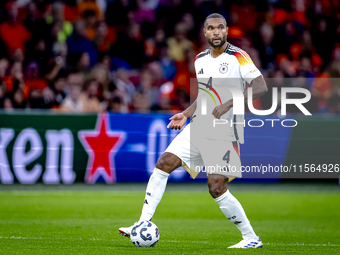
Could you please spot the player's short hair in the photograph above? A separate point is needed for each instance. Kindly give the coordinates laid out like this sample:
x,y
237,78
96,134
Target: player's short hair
x,y
214,16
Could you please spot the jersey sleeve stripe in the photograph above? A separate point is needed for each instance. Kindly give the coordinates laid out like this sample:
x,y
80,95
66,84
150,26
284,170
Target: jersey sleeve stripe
x,y
242,59
242,56
245,54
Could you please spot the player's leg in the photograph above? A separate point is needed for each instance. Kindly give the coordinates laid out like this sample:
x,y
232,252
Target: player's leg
x,y
233,210
167,163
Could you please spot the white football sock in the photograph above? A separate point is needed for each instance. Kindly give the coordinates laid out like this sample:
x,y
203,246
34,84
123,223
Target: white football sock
x,y
233,210
154,193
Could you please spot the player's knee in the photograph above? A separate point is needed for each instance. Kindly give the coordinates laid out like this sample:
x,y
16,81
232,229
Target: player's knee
x,y
168,162
215,192
217,187
164,164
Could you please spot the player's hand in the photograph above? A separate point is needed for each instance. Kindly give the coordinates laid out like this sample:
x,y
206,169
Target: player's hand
x,y
177,121
220,110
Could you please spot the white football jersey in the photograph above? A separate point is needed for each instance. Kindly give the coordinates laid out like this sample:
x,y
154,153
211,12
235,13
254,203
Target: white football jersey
x,y
215,76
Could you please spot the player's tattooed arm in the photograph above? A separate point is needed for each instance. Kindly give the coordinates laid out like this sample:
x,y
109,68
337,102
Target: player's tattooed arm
x,y
259,88
178,120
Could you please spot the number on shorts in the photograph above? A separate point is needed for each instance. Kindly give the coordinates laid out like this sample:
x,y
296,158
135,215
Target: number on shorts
x,y
226,157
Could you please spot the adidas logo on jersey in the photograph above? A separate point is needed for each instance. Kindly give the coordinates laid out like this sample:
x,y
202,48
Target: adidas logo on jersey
x,y
201,72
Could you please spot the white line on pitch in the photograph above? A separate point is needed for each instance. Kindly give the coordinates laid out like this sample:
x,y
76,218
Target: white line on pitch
x,y
303,244
174,241
167,241
61,194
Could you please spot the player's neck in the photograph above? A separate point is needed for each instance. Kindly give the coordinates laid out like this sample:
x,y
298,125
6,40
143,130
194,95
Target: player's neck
x,y
216,52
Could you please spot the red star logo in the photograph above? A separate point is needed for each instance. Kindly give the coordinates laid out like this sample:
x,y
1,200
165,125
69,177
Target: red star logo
x,y
101,145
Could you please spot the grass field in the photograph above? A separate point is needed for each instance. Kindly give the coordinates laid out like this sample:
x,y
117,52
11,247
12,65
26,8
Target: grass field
x,y
290,219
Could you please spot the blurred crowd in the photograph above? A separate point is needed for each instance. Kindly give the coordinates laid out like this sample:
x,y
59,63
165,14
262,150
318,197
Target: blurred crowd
x,y
138,55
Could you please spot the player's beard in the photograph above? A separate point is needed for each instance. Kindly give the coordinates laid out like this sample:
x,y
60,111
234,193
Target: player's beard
x,y
223,40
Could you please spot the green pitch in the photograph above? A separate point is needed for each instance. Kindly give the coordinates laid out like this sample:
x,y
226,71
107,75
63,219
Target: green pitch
x,y
289,219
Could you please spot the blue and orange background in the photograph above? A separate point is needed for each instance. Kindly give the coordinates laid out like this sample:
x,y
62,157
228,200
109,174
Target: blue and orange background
x,y
145,137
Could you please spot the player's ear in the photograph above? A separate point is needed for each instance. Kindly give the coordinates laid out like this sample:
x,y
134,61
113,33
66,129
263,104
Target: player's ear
x,y
227,30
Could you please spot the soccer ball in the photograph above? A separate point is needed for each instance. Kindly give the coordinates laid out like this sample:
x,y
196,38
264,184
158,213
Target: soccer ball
x,y
144,234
